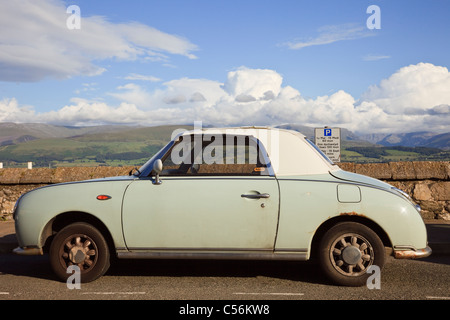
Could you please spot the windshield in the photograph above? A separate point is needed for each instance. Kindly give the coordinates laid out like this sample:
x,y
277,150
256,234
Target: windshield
x,y
145,170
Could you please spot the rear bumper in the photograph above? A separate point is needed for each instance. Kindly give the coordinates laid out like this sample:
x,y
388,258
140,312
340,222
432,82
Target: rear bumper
x,y
408,253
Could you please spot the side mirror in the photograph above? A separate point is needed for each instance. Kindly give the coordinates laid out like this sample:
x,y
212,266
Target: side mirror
x,y
157,168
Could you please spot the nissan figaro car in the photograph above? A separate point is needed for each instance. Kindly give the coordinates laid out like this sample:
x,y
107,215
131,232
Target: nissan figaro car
x,y
230,193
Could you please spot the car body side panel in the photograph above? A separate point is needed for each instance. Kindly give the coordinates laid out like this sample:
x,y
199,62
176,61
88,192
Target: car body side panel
x,y
397,216
305,204
201,213
38,207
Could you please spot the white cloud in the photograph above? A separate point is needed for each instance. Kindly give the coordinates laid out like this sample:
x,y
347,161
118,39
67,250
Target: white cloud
x,y
211,91
35,42
375,57
179,93
443,109
87,112
413,89
134,94
412,99
253,83
136,76
331,34
10,111
197,97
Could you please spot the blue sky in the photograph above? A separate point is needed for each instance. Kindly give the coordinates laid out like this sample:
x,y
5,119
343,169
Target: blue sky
x,y
227,63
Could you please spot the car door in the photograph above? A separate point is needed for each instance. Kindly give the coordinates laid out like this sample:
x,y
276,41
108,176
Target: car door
x,y
203,206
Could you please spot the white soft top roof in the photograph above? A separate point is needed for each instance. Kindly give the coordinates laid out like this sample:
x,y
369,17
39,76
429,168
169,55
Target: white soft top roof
x,y
289,152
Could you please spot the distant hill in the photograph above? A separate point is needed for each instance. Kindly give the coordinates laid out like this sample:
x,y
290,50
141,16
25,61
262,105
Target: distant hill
x,y
48,145
309,131
161,134
441,141
16,131
411,139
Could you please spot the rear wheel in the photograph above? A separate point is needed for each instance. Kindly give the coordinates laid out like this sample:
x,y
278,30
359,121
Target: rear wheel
x,y
81,245
346,252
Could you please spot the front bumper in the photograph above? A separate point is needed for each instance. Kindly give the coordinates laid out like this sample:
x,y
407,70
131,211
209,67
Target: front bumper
x,y
403,253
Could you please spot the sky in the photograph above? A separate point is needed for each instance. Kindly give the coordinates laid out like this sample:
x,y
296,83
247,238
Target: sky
x,y
367,66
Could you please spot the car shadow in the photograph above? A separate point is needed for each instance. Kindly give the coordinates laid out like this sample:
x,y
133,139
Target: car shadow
x,y
308,272
8,243
438,232
437,258
286,270
39,267
28,266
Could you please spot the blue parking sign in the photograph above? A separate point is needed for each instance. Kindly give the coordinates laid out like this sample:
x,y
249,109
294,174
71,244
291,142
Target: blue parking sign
x,y
327,132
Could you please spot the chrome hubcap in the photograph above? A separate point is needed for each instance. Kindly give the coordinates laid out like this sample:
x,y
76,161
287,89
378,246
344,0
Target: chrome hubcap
x,y
351,254
78,250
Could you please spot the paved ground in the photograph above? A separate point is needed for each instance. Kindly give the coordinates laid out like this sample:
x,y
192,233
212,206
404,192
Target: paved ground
x,y
30,278
438,236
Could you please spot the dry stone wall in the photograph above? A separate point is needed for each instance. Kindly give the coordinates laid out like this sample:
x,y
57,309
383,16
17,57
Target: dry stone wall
x,y
16,181
428,183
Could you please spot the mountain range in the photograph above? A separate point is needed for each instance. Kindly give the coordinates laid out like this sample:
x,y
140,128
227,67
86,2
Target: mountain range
x,y
411,139
15,133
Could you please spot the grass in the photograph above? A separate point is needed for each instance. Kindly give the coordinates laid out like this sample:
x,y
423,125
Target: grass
x,y
70,152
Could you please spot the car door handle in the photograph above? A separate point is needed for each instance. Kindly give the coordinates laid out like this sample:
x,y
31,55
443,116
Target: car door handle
x,y
256,196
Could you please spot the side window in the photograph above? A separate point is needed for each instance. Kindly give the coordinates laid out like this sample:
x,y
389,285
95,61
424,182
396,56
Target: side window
x,y
215,155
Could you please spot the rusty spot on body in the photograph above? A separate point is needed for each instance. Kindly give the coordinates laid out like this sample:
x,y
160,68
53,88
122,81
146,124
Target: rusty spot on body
x,y
353,213
404,255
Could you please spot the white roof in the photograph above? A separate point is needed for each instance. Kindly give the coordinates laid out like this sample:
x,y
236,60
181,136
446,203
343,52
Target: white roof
x,y
289,152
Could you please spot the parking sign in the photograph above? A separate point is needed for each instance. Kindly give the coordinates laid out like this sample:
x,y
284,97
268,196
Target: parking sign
x,y
328,140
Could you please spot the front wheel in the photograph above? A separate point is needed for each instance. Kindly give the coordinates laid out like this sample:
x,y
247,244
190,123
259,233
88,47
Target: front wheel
x,y
346,252
81,245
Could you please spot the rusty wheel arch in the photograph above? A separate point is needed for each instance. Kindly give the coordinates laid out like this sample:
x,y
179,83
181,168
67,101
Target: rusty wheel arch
x,y
351,217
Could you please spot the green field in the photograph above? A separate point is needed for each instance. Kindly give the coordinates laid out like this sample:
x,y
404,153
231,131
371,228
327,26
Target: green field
x,y
393,154
125,148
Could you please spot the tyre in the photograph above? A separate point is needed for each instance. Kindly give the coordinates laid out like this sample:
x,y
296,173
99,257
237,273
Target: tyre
x,y
79,244
346,252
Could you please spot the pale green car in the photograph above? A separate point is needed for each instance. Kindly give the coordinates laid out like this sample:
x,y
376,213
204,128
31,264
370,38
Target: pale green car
x,y
232,193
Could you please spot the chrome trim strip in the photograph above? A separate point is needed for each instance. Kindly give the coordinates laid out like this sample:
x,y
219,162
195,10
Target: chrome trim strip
x,y
300,255
198,249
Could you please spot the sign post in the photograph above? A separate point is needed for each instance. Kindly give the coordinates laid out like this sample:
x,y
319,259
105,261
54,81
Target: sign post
x,y
329,141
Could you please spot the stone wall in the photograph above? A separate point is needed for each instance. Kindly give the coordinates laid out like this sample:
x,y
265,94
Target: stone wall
x,y
428,183
16,181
